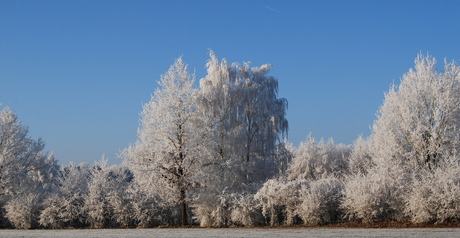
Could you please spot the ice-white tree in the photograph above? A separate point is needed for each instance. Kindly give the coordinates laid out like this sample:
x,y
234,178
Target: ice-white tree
x,y
217,105
245,123
246,119
96,200
317,160
65,207
119,180
416,131
310,190
262,114
166,150
27,173
418,123
435,195
320,201
108,202
377,195
360,160
279,200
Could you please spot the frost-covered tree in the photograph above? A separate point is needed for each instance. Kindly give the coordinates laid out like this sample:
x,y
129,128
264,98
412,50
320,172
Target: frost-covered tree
x,y
65,207
435,195
310,191
262,114
316,160
119,180
320,202
418,123
416,131
218,105
245,210
27,174
244,122
279,200
360,160
307,201
168,144
96,200
108,201
377,195
246,119
23,211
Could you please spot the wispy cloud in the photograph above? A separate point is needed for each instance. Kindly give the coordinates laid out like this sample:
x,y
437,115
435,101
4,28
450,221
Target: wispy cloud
x,y
274,10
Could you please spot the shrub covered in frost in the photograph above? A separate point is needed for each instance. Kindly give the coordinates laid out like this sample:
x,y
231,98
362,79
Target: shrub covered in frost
x,y
244,210
225,209
210,213
107,202
144,208
65,208
320,202
279,200
435,195
24,210
376,196
313,202
316,160
360,160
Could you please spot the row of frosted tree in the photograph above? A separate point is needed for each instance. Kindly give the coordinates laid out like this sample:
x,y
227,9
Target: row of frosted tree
x,y
216,155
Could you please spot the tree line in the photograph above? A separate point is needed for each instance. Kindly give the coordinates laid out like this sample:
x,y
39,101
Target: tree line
x,y
216,155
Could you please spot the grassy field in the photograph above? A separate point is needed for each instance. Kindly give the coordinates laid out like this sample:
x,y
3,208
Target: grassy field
x,y
239,232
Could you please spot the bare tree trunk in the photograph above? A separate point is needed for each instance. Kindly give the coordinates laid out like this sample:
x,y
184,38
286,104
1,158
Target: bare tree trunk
x,y
183,207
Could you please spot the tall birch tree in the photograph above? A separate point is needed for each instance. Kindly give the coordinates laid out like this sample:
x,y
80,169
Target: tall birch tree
x,y
247,117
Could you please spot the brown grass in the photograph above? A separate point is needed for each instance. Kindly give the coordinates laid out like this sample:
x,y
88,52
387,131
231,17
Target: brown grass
x,y
351,225
392,224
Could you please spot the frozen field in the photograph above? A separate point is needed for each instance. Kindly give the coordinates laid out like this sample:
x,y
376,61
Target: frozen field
x,y
235,232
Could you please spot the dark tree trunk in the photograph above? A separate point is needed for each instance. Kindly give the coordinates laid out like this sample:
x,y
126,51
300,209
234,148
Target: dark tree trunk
x,y
183,208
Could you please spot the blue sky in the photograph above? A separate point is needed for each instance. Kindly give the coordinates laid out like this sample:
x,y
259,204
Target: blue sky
x,y
77,72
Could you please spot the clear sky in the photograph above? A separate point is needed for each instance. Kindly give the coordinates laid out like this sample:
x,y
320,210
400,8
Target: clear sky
x,y
77,72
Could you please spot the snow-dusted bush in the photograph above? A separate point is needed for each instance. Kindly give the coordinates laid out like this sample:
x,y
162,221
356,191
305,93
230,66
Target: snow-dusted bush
x,y
202,213
447,193
153,203
96,203
228,209
320,202
279,200
144,208
244,210
119,180
309,191
213,211
316,160
419,202
377,195
65,208
108,200
23,211
360,160
435,194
